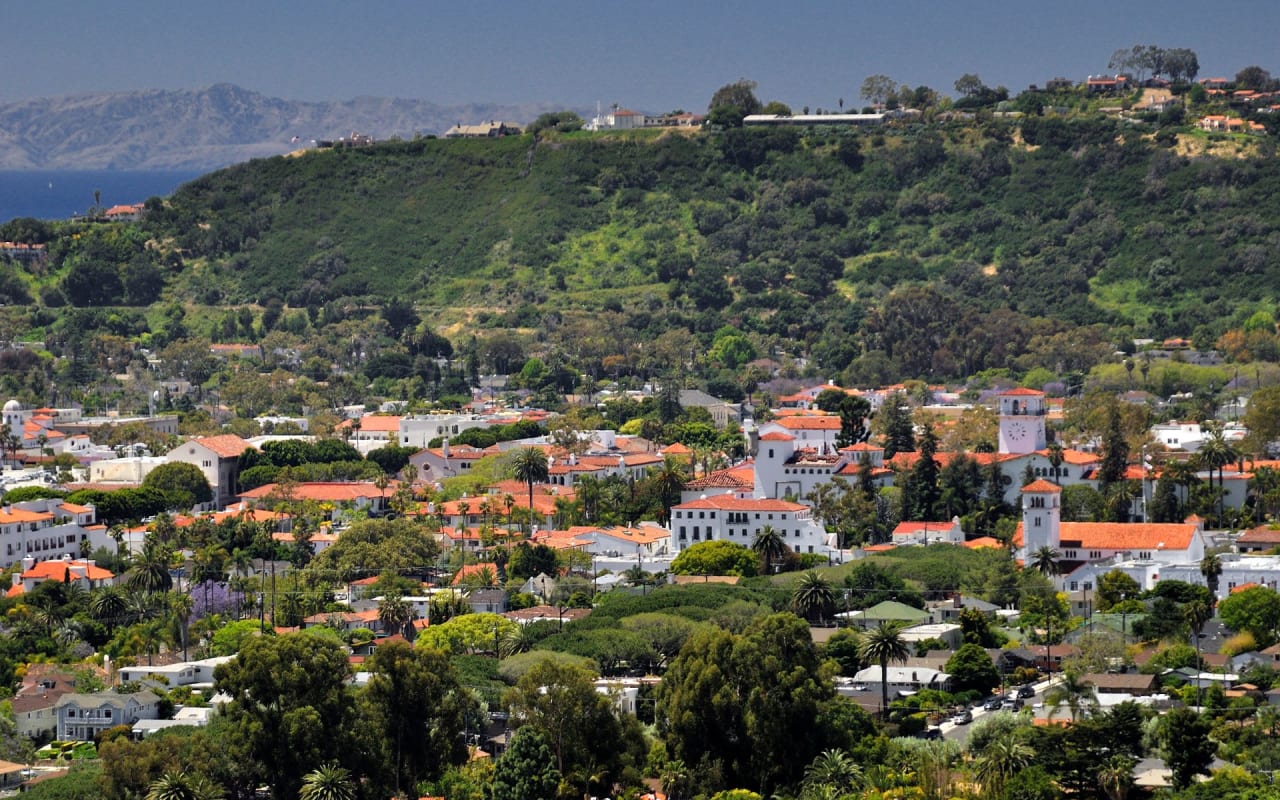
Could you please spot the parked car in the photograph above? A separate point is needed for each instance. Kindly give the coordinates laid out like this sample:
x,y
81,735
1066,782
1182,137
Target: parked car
x,y
1010,704
930,733
993,704
963,718
1026,691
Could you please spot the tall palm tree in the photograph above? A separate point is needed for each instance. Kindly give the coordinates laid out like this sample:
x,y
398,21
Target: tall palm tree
x,y
1073,692
669,480
1045,561
1211,569
1002,758
328,782
108,605
530,467
675,779
881,646
1215,453
181,606
812,596
769,546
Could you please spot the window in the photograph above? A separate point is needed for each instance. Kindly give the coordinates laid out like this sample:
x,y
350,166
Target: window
x,y
1037,523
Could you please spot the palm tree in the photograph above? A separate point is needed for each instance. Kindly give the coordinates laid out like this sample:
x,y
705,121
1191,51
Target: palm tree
x,y
1072,691
669,481
108,605
1211,569
812,595
181,605
833,769
882,646
1045,561
770,547
1216,453
1002,758
150,571
1055,459
394,613
1115,776
1197,614
328,782
181,786
530,467
675,779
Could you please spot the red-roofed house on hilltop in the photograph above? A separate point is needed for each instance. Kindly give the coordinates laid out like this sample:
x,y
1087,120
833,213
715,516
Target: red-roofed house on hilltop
x,y
85,574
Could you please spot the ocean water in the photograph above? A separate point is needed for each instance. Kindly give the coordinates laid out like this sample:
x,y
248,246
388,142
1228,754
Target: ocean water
x,y
60,194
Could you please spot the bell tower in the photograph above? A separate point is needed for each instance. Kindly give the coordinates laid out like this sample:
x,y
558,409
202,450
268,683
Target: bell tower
x,y
1041,517
1021,421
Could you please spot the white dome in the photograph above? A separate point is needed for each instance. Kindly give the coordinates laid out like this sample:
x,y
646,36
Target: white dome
x,y
12,405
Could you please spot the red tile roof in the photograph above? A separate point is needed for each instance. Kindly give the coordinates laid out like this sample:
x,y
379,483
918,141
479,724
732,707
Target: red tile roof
x,y
1021,392
224,446
1040,487
724,502
1122,536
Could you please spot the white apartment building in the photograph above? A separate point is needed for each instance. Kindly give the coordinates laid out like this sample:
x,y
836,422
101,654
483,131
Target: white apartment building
x,y
737,520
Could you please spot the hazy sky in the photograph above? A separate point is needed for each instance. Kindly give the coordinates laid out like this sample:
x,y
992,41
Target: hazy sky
x,y
651,56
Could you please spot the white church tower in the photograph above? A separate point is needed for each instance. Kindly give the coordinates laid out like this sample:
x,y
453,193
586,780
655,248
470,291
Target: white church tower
x,y
1021,421
1041,517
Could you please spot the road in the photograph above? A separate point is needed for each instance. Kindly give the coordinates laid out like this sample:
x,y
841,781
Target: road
x,y
960,733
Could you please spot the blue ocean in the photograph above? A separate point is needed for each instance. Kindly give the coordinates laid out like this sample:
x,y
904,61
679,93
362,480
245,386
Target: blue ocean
x,y
60,194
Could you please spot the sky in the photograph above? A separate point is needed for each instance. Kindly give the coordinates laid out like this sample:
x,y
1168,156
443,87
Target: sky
x,y
648,56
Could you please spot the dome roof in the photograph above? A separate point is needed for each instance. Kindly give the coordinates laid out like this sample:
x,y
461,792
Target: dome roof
x,y
12,405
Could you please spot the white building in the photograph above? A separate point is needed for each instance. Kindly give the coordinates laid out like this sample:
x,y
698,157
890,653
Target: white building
x,y
218,457
417,430
725,518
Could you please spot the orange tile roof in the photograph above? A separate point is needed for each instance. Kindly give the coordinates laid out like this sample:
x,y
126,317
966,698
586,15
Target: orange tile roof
x,y
1122,536
676,449
72,508
57,569
777,436
983,541
810,423
879,548
1021,392
379,423
331,492
12,514
644,535
224,446
724,502
1040,487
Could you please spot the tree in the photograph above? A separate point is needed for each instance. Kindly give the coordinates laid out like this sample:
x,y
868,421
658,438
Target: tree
x,y
765,686
896,425
969,85
971,669
1002,758
1115,776
415,702
1188,750
1072,691
1114,587
1255,610
529,466
181,786
1253,77
289,700
1211,569
733,101
561,703
715,558
877,89
395,614
770,548
1045,561
150,572
885,645
835,770
184,485
813,596
1262,419
328,782
527,769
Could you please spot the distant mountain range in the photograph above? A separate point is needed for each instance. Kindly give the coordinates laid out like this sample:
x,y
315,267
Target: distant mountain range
x,y
209,128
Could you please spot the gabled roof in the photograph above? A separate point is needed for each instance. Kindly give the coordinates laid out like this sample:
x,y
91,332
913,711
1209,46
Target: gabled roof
x,y
1122,536
808,422
1041,486
1021,392
724,502
224,446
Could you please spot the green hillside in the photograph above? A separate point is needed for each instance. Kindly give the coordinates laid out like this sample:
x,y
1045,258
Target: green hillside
x,y
926,250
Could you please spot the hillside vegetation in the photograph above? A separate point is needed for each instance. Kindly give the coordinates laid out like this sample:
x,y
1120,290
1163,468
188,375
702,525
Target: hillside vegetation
x,y
926,250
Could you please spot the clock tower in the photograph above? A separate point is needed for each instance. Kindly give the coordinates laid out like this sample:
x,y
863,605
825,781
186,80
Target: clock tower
x,y
1021,421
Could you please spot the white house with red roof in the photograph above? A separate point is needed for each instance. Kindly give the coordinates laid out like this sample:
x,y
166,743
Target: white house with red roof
x,y
738,520
218,457
49,529
929,532
84,573
371,432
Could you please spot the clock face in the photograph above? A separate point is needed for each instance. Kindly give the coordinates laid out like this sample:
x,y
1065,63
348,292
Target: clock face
x,y
1017,431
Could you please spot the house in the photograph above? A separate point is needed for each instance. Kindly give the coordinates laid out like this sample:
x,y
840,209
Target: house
x,y
903,679
85,574
83,717
487,600
1106,84
929,533
647,540
182,673
356,495
34,713
887,611
949,610
485,130
418,430
124,213
946,632
1259,540
371,432
1134,684
732,519
218,457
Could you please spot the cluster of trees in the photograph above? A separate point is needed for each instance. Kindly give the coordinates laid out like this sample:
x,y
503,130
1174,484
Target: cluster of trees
x,y
1179,64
